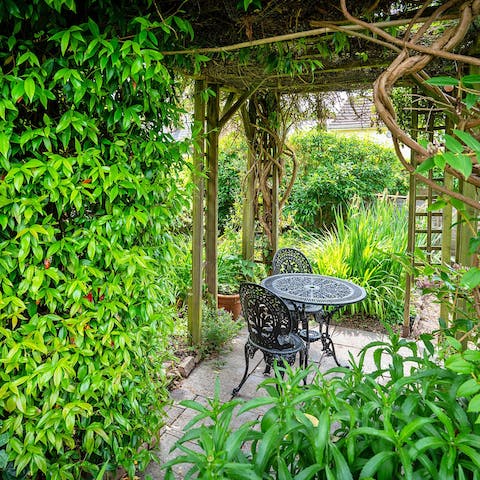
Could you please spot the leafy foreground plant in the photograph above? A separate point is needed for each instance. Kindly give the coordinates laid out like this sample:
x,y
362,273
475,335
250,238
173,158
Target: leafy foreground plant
x,y
407,419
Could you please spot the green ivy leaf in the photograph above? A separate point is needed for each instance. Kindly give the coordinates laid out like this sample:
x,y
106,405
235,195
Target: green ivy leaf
x,y
64,42
471,99
29,87
468,140
453,144
443,81
4,144
425,166
458,364
460,162
468,388
91,248
471,278
440,161
474,244
474,404
470,80
3,459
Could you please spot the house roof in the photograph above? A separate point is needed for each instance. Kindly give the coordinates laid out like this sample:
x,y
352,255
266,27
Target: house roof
x,y
356,112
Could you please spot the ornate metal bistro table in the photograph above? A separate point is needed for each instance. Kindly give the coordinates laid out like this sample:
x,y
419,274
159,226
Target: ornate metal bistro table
x,y
303,289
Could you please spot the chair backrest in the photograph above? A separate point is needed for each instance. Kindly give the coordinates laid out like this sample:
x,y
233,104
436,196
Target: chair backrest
x,y
268,318
290,260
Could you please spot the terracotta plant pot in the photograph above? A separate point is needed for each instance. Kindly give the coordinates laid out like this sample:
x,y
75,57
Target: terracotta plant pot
x,y
231,303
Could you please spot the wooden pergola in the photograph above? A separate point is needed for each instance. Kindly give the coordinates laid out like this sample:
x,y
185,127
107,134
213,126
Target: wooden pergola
x,y
282,47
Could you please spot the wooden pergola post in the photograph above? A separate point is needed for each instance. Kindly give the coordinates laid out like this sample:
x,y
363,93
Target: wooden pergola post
x,y
411,234
211,234
195,307
248,221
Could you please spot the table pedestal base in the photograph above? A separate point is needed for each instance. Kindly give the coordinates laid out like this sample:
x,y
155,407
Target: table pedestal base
x,y
322,334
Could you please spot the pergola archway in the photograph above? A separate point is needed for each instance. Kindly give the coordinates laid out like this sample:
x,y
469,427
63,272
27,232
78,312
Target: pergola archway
x,y
280,47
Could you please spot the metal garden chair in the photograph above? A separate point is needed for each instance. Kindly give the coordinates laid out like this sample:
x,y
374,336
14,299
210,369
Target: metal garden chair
x,y
291,260
271,329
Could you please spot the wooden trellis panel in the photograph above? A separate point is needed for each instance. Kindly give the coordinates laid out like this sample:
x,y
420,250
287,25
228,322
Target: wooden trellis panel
x,y
430,231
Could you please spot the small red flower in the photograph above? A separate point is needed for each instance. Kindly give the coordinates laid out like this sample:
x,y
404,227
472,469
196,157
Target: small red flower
x,y
89,297
47,262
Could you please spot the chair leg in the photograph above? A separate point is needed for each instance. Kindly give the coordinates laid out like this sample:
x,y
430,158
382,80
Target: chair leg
x,y
268,359
249,352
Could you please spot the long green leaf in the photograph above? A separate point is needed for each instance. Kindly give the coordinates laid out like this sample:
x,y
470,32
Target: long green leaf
x,y
413,426
241,472
4,144
468,139
308,472
428,443
341,466
267,447
373,432
371,467
29,87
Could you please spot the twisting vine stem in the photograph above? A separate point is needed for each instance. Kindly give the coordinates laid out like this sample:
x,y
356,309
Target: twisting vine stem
x,y
266,129
407,65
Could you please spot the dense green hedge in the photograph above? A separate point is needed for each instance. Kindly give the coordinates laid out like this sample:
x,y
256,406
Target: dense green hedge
x,y
333,170
88,191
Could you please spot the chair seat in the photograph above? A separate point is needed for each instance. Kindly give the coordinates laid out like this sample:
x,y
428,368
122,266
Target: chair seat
x,y
294,339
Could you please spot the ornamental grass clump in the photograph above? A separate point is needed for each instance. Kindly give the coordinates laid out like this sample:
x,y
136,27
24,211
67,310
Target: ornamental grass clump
x,y
365,248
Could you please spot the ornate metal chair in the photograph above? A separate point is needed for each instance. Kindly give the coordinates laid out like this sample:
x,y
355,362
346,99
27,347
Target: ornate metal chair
x,y
291,260
271,329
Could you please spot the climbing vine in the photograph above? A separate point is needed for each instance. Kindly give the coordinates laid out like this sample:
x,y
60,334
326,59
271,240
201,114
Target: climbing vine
x,y
274,166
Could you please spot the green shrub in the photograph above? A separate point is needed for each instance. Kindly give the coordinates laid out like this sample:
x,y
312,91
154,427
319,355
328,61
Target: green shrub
x,y
333,170
232,159
406,419
218,329
88,192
